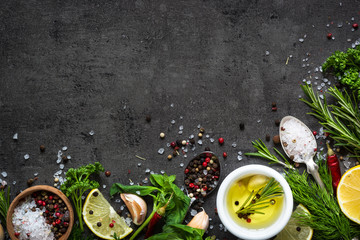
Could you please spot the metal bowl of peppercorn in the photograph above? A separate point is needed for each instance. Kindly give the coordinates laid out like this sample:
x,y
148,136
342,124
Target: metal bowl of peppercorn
x,y
41,212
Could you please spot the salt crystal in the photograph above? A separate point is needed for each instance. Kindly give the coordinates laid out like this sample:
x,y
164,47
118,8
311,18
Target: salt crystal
x,y
171,105
321,96
15,137
137,192
181,117
162,171
14,182
181,127
304,80
122,207
83,197
147,170
128,221
239,157
104,186
91,133
301,40
131,183
267,53
64,148
168,144
59,157
161,151
199,126
240,153
26,156
152,172
117,200
211,227
145,180
319,88
200,142
185,155
352,19
205,172
258,121
68,157
340,24
180,132
181,164
139,164
61,166
36,174
191,136
193,212
233,145
207,136
172,122
212,140
325,80
328,25
4,174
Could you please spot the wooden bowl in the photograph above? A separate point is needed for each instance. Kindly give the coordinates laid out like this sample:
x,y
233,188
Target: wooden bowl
x,y
28,192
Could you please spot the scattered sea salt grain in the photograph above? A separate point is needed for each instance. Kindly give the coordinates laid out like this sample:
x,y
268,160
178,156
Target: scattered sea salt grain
x,y
117,200
180,132
61,166
14,182
233,145
162,171
122,207
26,156
64,148
161,151
191,136
152,172
83,197
259,121
104,186
145,180
267,53
193,212
91,133
200,142
239,158
4,174
36,174
58,160
139,164
30,222
297,140
240,153
207,136
15,137
172,122
181,127
198,126
301,40
172,105
212,140
181,164
147,170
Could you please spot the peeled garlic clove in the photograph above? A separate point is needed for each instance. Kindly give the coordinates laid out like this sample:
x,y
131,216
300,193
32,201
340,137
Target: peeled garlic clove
x,y
200,220
137,207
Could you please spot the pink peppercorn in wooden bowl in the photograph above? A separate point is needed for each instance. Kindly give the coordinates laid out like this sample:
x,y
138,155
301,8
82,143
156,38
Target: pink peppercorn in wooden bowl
x,y
55,204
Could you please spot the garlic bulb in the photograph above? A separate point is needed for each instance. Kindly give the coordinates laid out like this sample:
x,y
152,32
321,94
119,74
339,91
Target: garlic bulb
x,y
200,220
137,207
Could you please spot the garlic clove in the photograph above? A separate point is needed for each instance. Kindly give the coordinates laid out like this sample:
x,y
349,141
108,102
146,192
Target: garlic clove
x,y
137,207
200,220
2,234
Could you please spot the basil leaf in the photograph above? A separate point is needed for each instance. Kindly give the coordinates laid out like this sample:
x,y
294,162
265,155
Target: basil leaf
x,y
179,231
135,189
178,206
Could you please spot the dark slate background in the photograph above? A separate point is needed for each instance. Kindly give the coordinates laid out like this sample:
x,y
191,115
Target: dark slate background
x,y
69,67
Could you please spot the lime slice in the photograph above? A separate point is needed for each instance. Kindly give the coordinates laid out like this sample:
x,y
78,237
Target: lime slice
x,y
293,230
102,219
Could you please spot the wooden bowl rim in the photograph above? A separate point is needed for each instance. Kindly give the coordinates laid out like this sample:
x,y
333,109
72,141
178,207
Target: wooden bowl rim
x,y
27,192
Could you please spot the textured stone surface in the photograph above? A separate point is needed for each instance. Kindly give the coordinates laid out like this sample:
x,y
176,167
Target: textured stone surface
x,y
69,67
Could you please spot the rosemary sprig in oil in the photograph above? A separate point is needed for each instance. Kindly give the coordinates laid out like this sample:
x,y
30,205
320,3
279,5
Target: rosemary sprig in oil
x,y
261,199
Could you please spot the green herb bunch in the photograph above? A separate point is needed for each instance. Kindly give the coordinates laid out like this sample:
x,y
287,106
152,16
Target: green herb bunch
x,y
4,204
78,182
261,199
346,66
326,217
163,188
342,120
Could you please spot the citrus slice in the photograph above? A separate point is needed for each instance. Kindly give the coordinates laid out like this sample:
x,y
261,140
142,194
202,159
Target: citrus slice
x,y
102,219
293,230
348,194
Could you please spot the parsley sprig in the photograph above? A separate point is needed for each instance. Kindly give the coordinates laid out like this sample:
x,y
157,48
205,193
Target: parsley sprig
x,y
78,182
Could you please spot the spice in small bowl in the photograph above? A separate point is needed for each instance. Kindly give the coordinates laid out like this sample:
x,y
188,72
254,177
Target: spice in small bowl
x,y
40,212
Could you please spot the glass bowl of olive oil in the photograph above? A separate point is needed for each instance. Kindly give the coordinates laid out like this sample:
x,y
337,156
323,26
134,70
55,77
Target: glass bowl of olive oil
x,y
254,202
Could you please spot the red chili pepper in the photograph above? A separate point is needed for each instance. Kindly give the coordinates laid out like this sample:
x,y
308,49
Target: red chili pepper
x,y
159,214
334,167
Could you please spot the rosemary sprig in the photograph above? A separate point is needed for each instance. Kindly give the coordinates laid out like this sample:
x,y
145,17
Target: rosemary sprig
x,y
261,199
4,204
264,152
342,121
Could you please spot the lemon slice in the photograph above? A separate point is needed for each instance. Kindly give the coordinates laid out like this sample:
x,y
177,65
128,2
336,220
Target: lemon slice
x,y
348,194
293,230
102,219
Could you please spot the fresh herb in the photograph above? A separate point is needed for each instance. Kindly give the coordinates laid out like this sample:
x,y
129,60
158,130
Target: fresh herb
x,y
261,199
78,182
326,217
161,191
342,121
264,152
4,204
116,237
345,66
178,232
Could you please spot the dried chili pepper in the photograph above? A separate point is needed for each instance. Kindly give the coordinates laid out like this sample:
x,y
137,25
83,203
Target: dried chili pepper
x,y
159,214
334,167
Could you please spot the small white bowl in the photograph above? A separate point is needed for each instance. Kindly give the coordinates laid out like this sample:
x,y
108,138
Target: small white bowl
x,y
246,233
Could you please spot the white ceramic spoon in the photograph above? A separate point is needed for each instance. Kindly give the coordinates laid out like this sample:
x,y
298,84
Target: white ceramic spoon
x,y
312,167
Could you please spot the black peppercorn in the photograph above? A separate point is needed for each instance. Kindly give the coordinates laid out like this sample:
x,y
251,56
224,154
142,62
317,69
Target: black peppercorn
x,y
148,118
42,148
95,194
242,126
277,122
267,137
98,224
207,149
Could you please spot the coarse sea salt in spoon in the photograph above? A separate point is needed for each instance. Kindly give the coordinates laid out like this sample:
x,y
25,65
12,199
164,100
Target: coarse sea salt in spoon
x,y
299,144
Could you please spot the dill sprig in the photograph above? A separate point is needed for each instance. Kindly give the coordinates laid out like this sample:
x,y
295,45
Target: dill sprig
x,y
4,204
264,152
326,217
261,199
342,121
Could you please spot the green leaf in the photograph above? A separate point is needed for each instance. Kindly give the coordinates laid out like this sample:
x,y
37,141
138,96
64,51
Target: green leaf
x,y
178,207
179,231
135,189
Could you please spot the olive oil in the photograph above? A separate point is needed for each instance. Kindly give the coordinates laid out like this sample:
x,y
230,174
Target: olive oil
x,y
240,191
